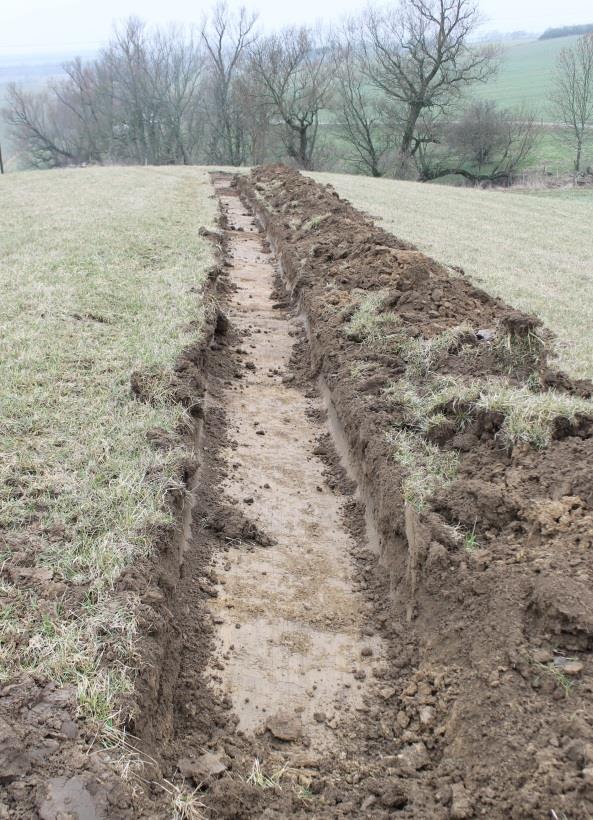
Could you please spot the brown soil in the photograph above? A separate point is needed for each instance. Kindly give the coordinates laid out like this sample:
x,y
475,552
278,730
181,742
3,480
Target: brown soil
x,y
494,628
312,645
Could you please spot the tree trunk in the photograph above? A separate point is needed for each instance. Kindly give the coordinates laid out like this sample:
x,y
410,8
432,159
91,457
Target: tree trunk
x,y
304,159
407,139
577,161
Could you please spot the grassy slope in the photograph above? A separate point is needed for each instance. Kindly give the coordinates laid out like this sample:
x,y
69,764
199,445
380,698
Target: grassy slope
x,y
534,251
526,77
526,73
96,278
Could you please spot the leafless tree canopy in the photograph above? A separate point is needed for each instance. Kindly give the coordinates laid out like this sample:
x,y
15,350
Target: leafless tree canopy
x,y
365,119
294,72
139,102
227,38
573,94
375,96
419,55
486,144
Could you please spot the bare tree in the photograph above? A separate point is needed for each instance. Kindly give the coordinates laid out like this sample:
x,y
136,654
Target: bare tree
x,y
137,108
294,70
176,76
43,133
485,144
257,118
420,56
139,102
573,94
80,94
227,36
364,117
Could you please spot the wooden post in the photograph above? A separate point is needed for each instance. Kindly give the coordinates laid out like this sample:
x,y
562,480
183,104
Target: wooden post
x,y
1,163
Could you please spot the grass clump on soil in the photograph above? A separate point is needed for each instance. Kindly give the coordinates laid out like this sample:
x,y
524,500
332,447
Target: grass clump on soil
x,y
99,280
358,369
314,222
423,356
470,540
519,350
561,679
372,326
378,328
427,466
530,417
258,778
185,804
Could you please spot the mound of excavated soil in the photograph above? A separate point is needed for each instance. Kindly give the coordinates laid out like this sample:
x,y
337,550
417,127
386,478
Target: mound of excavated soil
x,y
491,576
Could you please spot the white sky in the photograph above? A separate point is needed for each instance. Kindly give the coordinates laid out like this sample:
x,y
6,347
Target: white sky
x,y
46,26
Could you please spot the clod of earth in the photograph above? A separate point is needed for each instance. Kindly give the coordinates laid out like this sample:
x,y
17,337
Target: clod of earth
x,y
284,727
203,768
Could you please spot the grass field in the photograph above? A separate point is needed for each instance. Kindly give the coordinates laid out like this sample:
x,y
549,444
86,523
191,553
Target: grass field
x,y
525,75
555,152
98,280
533,250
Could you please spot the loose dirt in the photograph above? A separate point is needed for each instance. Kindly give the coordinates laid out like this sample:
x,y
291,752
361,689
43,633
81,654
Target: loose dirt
x,y
299,674
495,686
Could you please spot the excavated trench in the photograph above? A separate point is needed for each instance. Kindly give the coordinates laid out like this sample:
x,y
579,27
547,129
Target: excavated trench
x,y
313,645
284,700
289,621
335,652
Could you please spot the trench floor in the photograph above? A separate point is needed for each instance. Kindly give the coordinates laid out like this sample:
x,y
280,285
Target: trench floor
x,y
290,625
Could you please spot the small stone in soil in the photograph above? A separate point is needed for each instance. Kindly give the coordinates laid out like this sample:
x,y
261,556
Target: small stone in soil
x,y
572,668
284,727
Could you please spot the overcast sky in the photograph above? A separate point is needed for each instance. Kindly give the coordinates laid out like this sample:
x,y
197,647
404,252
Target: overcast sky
x,y
46,26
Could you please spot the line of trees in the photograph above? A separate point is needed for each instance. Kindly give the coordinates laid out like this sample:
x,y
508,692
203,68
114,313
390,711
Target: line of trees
x,y
385,93
566,31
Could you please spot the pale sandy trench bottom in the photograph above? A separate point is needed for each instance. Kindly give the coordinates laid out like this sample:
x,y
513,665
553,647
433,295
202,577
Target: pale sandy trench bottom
x,y
290,627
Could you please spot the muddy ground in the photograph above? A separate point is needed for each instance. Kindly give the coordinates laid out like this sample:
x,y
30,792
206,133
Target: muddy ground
x,y
313,645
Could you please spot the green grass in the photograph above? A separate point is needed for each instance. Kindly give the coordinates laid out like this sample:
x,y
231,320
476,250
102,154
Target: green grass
x,y
526,75
554,153
534,251
99,275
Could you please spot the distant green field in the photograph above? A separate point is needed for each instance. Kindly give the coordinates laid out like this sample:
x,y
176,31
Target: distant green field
x,y
525,75
555,152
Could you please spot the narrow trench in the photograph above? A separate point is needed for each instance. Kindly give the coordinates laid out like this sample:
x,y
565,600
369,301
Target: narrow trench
x,y
289,611
281,701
